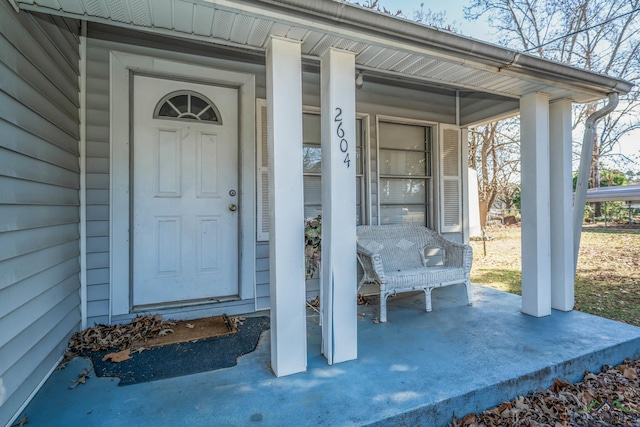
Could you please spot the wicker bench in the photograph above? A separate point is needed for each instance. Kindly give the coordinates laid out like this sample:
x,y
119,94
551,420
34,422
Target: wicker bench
x,y
405,258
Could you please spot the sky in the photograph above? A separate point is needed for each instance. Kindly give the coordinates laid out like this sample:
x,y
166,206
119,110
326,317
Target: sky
x,y
454,9
480,29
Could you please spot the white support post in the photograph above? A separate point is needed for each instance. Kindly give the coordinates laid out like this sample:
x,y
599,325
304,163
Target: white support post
x,y
536,246
339,269
562,271
286,232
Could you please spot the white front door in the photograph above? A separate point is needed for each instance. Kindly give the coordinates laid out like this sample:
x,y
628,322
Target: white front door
x,y
185,192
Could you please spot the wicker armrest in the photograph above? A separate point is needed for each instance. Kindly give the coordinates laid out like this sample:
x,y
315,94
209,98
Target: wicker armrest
x,y
371,264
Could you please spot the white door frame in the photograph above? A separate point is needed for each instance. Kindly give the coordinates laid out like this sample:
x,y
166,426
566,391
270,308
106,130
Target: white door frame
x,y
121,67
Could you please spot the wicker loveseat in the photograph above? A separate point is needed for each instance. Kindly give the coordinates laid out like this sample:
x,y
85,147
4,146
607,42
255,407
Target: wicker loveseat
x,y
405,258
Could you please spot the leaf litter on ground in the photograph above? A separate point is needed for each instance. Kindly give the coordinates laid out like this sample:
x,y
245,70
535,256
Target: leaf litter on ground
x,y
609,397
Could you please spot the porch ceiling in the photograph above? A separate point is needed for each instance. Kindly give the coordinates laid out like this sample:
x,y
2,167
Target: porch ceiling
x,y
384,45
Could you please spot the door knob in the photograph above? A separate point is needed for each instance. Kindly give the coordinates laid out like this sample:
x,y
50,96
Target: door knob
x,y
233,208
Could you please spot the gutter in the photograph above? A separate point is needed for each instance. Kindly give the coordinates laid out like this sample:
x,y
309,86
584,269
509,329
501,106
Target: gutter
x,y
336,17
465,48
586,156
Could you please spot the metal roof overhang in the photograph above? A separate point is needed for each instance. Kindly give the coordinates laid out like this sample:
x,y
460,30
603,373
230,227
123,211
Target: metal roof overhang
x,y
384,45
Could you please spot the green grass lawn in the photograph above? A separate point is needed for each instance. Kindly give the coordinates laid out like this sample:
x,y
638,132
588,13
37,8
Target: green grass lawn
x,y
607,280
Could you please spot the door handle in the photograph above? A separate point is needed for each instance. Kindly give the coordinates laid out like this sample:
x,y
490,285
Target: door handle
x,y
233,208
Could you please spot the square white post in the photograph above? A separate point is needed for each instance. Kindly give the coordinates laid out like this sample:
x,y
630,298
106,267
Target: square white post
x,y
536,247
562,268
339,269
286,207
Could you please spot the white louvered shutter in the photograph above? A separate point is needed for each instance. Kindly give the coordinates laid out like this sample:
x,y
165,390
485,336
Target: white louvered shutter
x,y
263,170
450,179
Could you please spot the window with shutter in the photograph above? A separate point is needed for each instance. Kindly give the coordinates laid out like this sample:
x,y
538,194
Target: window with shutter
x,y
450,179
312,168
405,173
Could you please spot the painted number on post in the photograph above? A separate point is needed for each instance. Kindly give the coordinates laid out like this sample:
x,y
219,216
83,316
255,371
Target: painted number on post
x,y
344,144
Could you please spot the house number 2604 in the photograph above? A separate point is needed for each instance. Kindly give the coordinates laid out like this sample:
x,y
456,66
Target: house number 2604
x,y
344,144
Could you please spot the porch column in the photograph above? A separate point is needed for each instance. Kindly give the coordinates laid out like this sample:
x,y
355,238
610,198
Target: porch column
x,y
536,247
286,215
562,268
339,270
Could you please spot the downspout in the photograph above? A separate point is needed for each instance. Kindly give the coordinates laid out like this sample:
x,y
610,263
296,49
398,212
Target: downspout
x,y
586,155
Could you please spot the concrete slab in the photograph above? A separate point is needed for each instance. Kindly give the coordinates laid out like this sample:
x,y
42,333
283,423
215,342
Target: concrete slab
x,y
418,369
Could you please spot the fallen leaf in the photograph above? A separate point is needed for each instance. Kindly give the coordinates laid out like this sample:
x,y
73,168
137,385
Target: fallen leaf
x,y
190,325
83,376
22,421
164,332
469,420
629,373
118,357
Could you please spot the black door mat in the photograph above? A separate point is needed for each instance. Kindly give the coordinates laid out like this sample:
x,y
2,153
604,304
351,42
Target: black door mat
x,y
188,358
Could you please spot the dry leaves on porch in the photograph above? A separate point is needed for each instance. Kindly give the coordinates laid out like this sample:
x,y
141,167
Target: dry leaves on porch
x,y
21,422
611,397
118,357
83,376
106,337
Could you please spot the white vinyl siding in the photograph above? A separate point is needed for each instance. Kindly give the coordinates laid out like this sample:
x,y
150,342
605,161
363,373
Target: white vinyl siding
x,y
39,198
450,179
97,185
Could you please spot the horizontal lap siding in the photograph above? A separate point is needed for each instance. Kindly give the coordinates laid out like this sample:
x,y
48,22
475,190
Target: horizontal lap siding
x,y
97,166
39,199
262,275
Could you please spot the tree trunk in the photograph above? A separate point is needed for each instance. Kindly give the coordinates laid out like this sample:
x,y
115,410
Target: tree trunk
x,y
482,205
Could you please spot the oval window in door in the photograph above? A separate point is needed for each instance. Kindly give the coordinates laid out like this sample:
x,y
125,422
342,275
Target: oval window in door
x,y
187,105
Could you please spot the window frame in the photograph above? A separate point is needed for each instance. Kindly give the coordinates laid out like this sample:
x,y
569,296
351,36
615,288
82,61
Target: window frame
x,y
430,196
365,170
262,172
189,93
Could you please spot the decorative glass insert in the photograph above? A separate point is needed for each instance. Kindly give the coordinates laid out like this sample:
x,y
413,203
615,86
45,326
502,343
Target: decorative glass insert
x,y
187,105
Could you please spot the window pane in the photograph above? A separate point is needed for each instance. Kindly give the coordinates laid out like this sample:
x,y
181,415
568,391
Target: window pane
x,y
402,215
180,102
312,164
209,115
311,159
311,128
198,104
402,163
398,190
167,111
312,190
312,211
404,137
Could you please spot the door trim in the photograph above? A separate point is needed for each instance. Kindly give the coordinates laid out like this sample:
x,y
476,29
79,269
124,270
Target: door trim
x,y
122,66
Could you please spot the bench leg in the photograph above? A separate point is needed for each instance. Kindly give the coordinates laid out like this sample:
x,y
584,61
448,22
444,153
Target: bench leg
x,y
383,307
467,286
427,299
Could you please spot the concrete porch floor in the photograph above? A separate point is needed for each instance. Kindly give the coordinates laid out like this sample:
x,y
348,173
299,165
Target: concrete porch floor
x,y
417,369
